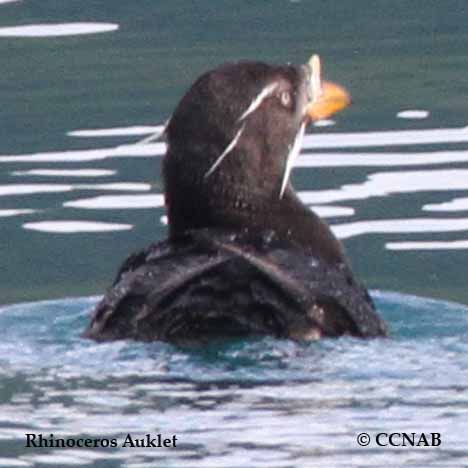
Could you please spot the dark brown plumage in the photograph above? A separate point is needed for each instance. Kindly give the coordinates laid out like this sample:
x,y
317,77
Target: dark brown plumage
x,y
244,255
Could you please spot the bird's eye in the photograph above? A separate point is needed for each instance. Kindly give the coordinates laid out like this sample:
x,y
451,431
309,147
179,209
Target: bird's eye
x,y
285,99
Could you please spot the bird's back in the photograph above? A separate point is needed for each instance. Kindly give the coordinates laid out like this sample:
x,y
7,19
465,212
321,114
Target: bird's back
x,y
217,284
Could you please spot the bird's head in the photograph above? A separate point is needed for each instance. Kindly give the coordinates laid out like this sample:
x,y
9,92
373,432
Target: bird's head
x,y
233,138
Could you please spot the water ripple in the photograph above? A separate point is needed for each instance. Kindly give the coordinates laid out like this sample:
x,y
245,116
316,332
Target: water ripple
x,y
71,226
57,29
256,402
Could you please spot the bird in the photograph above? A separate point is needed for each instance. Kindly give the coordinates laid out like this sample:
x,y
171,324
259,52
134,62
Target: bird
x,y
244,257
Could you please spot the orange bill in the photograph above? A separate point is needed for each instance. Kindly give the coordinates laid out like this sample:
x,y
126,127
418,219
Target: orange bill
x,y
333,98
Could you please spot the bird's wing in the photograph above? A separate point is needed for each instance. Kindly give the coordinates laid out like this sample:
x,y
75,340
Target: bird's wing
x,y
213,285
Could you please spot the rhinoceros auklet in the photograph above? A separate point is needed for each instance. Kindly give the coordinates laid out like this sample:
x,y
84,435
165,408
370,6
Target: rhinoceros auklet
x,y
244,255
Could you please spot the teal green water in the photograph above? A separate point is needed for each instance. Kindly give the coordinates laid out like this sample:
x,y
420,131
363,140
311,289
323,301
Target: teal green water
x,y
263,403
391,55
259,403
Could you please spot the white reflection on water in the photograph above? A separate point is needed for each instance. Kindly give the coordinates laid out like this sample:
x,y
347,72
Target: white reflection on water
x,y
57,29
324,123
71,226
428,245
135,130
405,225
413,114
386,138
66,172
104,202
30,189
10,213
381,159
457,204
331,211
387,183
72,156
10,462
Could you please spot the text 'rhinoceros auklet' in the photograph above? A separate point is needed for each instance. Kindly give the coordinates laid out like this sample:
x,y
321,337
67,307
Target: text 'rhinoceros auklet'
x,y
244,255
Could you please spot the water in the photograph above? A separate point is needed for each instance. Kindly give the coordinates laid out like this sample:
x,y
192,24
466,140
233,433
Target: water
x,y
245,403
82,82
